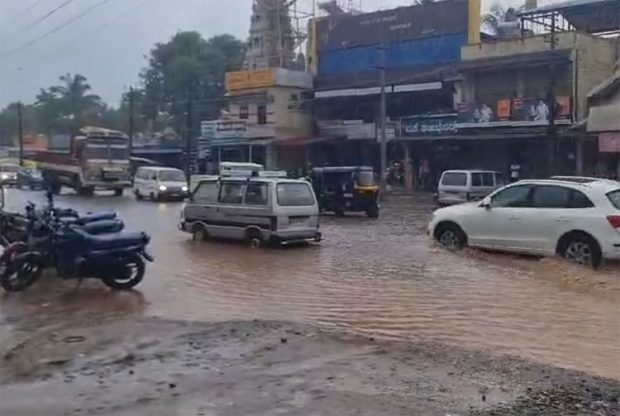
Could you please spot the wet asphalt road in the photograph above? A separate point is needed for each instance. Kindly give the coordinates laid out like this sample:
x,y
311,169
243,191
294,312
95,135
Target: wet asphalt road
x,y
381,278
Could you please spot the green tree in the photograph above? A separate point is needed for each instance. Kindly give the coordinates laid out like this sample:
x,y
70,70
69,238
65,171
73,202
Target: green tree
x,y
188,66
68,106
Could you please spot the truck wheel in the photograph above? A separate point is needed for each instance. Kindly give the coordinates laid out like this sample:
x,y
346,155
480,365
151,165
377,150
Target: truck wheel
x,y
138,195
118,192
56,188
86,190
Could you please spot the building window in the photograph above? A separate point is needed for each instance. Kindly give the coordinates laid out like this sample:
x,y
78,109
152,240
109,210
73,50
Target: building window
x,y
294,97
244,112
261,114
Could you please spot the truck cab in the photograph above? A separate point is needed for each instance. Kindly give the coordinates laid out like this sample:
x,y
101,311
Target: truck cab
x,y
97,159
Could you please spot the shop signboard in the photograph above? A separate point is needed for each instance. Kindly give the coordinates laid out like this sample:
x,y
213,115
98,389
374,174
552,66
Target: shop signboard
x,y
429,126
609,142
223,129
245,80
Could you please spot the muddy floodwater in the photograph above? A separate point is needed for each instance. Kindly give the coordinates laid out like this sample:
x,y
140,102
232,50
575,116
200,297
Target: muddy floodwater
x,y
381,278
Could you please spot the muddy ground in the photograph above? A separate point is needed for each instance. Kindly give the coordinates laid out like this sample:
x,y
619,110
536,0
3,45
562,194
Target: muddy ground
x,y
148,366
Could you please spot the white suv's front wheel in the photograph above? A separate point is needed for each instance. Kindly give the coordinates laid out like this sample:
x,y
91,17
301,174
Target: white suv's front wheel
x,y
451,236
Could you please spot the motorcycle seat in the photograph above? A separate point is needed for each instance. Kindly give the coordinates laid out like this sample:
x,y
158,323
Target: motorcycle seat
x,y
96,216
112,241
103,226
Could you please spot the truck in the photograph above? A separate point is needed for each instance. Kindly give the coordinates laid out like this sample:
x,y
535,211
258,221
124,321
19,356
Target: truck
x,y
96,158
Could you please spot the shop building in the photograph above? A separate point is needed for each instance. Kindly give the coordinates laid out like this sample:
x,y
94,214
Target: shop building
x,y
517,97
267,120
415,49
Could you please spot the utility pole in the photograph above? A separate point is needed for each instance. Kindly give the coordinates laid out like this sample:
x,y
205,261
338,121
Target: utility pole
x,y
188,133
131,120
383,120
20,133
551,129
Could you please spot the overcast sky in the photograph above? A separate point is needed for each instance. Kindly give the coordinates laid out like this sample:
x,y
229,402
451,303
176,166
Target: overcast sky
x,y
109,44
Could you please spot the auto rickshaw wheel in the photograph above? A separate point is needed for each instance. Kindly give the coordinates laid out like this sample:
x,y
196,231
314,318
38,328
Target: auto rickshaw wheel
x,y
373,211
339,212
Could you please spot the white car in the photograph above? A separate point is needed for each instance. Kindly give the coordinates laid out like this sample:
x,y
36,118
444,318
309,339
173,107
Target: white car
x,y
577,218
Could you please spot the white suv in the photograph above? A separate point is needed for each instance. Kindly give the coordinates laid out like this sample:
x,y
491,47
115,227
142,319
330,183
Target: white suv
x,y
577,218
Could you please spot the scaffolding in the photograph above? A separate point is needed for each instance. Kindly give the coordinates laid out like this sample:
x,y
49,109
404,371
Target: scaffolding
x,y
279,30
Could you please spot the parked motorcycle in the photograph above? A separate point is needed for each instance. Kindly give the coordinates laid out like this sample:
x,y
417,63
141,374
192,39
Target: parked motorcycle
x,y
115,258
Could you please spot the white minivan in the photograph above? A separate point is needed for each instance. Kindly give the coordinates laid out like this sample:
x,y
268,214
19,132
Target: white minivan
x,y
458,186
158,183
254,209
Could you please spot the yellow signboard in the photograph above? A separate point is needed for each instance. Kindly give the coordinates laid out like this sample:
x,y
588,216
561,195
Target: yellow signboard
x,y
245,80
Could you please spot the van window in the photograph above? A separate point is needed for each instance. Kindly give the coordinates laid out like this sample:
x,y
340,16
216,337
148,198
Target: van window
x,y
499,179
206,193
256,194
294,195
171,176
476,179
231,193
454,179
487,179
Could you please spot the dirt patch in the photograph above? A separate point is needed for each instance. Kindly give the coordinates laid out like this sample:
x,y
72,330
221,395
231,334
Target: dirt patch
x,y
155,367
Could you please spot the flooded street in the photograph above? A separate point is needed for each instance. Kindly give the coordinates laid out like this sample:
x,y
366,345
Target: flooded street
x,y
378,278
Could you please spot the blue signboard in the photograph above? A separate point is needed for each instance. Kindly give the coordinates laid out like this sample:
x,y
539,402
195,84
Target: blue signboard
x,y
429,126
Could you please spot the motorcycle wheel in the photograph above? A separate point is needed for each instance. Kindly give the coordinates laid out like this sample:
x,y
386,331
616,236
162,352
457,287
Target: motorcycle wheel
x,y
20,276
129,274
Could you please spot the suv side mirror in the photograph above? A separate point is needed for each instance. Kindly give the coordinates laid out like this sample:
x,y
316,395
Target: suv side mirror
x,y
486,204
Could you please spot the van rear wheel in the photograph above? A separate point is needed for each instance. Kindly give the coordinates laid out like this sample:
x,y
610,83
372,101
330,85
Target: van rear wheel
x,y
254,238
199,233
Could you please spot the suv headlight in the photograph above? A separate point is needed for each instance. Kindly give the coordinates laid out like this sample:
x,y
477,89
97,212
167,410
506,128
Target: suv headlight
x,y
162,188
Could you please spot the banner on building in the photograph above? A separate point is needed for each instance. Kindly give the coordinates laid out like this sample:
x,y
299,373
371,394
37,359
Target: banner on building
x,y
429,126
513,113
609,142
473,113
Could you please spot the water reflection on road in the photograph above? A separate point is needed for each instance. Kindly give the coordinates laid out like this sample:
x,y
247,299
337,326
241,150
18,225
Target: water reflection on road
x,y
380,278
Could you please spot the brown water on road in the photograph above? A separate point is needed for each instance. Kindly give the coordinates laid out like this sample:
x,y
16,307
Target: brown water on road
x,y
379,278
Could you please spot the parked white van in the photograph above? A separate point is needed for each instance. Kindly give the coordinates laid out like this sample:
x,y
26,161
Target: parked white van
x,y
255,209
458,186
158,183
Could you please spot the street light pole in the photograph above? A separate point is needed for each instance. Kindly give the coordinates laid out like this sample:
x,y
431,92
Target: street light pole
x,y
20,132
383,121
131,119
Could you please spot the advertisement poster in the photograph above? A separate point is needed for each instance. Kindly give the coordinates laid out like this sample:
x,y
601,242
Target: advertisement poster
x,y
476,114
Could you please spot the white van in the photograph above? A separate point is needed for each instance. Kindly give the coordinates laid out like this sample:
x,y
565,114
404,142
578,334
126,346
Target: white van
x,y
158,183
254,209
458,186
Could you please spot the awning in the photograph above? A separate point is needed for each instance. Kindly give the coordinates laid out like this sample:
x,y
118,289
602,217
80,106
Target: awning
x,y
519,60
604,118
303,141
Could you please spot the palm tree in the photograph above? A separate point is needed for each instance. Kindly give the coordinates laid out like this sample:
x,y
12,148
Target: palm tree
x,y
74,97
499,14
66,107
